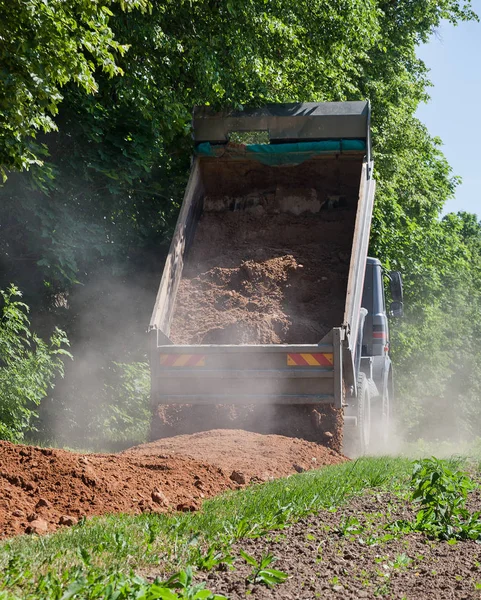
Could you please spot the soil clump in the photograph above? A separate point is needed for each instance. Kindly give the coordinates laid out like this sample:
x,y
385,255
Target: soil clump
x,y
42,489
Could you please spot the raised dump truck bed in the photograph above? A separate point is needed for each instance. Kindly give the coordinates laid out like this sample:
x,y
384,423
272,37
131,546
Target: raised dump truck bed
x,y
260,299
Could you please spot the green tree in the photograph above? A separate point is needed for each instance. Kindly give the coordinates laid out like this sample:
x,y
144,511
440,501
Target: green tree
x,y
437,344
120,158
44,46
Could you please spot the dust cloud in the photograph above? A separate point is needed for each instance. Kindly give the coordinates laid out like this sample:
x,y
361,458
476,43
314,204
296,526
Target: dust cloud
x,y
106,321
430,426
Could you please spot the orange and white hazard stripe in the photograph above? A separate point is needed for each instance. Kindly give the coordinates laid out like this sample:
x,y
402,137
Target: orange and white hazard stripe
x,y
182,360
310,360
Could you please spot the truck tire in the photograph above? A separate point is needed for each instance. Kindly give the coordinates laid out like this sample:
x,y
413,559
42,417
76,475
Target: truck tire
x,y
380,423
357,439
386,419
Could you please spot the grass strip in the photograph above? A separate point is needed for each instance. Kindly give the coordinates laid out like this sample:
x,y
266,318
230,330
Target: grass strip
x,y
120,543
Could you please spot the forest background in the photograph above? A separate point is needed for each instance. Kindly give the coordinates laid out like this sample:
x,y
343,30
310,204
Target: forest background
x,y
95,145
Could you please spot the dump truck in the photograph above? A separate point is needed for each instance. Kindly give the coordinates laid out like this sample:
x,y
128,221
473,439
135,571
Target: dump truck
x,y
270,315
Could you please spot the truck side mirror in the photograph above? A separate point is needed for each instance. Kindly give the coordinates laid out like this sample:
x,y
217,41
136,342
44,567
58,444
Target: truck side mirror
x,y
396,309
396,285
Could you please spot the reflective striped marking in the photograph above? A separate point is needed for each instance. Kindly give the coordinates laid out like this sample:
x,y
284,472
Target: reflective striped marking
x,y
182,360
310,360
379,333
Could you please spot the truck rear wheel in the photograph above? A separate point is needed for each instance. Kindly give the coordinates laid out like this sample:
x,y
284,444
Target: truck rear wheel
x,y
358,438
381,421
386,419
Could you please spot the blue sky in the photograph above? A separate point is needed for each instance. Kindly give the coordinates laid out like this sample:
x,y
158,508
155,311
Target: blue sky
x,y
454,111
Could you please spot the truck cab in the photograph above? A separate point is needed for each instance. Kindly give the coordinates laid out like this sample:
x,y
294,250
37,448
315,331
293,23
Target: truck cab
x,y
375,361
375,341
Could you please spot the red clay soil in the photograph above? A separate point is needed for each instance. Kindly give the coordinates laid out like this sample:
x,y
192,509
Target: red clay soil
x,y
42,488
264,279
258,457
322,425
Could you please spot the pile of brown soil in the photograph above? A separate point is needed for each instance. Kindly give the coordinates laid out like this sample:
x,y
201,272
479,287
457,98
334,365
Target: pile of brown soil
x,y
256,456
322,424
43,488
254,278
264,279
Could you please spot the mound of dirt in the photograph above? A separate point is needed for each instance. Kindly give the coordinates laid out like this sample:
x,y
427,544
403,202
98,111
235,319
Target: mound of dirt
x,y
259,457
322,425
265,279
44,488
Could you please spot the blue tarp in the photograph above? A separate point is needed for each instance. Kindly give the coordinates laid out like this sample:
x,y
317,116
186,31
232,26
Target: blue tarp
x,y
281,154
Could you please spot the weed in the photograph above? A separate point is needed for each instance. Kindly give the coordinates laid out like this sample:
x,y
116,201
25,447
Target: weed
x,y
261,572
364,577
382,590
215,556
401,561
349,526
369,540
241,528
182,581
83,581
152,532
441,492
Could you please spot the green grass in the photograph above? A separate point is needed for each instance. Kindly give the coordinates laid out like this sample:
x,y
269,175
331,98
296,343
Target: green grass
x,y
119,543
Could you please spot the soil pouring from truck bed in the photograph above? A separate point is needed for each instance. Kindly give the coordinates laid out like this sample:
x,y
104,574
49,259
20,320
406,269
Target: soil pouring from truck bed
x,y
255,278
275,279
42,489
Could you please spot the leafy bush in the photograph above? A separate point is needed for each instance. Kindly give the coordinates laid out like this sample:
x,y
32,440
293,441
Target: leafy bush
x,y
28,366
102,406
442,492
